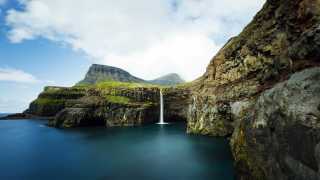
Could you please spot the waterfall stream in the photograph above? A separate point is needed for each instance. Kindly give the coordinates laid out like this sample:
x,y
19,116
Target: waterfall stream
x,y
161,120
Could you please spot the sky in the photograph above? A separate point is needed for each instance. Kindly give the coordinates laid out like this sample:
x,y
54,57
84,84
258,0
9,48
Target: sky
x,y
46,42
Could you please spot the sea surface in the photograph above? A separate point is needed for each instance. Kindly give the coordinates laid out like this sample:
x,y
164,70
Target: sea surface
x,y
31,150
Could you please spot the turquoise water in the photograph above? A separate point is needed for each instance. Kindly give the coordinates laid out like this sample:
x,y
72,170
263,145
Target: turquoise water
x,y
31,150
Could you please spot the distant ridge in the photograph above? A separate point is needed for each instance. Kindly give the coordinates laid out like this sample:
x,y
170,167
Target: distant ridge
x,y
98,73
170,79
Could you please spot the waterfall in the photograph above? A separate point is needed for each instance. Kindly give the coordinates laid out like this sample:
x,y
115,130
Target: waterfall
x,y
161,121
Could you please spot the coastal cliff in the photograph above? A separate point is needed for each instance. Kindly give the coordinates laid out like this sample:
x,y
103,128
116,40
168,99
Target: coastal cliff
x,y
105,104
108,96
282,39
261,90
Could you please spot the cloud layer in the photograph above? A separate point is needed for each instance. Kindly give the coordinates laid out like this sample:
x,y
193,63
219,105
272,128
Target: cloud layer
x,y
15,75
147,38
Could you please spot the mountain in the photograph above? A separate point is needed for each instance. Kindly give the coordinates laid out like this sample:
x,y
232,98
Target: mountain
x,y
170,79
98,73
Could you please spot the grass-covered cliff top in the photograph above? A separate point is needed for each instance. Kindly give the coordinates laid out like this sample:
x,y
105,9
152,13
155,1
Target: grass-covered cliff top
x,y
117,84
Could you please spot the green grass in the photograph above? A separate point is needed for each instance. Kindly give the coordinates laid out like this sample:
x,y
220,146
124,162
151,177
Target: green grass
x,y
47,101
116,84
118,99
126,100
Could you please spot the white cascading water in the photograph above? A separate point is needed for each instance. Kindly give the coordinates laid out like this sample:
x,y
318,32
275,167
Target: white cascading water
x,y
161,109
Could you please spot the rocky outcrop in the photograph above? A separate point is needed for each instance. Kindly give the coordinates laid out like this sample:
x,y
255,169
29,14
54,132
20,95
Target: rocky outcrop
x,y
279,138
109,104
52,100
168,80
209,117
282,39
176,103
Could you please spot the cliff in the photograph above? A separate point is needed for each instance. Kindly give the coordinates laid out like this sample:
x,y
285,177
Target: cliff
x,y
279,136
261,90
240,95
282,39
104,104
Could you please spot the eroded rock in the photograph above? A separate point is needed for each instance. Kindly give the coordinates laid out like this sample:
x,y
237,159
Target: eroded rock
x,y
279,138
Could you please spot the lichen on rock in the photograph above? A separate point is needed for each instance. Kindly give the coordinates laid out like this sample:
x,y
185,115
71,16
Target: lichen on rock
x,y
280,137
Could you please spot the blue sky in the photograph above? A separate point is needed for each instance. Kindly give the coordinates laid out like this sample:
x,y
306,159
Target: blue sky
x,y
45,42
49,62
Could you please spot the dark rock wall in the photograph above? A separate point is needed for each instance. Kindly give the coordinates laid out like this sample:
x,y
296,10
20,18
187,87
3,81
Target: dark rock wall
x,y
176,103
279,138
282,39
78,106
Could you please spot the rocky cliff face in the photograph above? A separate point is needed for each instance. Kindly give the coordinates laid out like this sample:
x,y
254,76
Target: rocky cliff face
x,y
52,100
108,104
176,103
282,39
279,137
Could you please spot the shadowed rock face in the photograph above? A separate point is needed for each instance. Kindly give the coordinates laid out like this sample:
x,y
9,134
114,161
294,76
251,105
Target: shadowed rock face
x,y
279,138
282,39
176,103
78,106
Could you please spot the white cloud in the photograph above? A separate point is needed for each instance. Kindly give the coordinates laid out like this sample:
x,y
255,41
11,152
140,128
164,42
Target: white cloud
x,y
15,75
147,37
